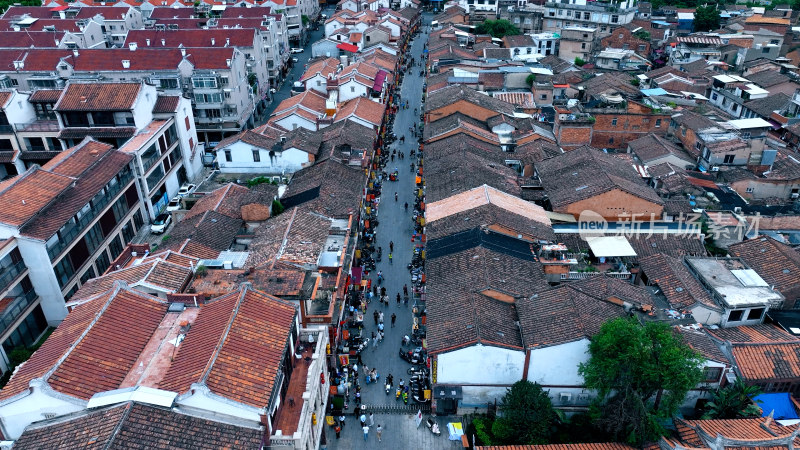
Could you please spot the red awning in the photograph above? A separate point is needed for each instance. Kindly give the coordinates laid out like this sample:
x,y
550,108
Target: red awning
x,y
60,8
348,47
560,85
379,79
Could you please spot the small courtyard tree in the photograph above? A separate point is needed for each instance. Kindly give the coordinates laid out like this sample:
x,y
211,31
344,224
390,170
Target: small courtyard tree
x,y
642,374
526,415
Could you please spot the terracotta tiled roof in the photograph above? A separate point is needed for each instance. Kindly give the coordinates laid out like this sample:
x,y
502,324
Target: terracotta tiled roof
x,y
251,12
681,289
132,425
324,67
457,173
119,324
327,187
103,357
695,432
767,361
762,333
93,164
54,347
335,138
226,200
166,104
472,277
452,94
98,97
586,172
701,342
651,147
760,19
235,347
169,13
295,236
564,314
155,274
777,263
362,108
29,193
45,96
212,230
486,206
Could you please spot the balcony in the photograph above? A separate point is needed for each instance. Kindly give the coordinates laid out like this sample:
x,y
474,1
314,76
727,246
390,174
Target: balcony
x,y
68,235
598,7
15,309
11,273
39,125
585,275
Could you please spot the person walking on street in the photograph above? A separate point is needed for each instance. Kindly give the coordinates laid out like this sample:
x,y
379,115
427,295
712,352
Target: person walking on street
x,y
395,196
371,420
391,246
366,432
375,342
375,315
341,420
378,431
338,430
394,318
398,299
363,419
390,257
380,317
405,290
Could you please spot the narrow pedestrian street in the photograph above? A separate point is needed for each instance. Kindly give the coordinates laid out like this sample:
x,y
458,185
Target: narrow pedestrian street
x,y
395,226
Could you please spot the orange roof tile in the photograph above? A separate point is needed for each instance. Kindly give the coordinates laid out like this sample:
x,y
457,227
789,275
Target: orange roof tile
x,y
98,97
29,193
235,347
363,109
768,361
102,358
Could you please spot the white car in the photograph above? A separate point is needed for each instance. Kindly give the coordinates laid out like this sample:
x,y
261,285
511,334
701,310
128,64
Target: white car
x,y
297,50
161,223
174,204
186,189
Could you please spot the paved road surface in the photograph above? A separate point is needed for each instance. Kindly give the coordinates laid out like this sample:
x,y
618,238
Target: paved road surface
x,y
297,70
400,431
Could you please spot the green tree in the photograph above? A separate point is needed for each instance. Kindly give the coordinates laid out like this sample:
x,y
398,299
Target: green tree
x,y
706,18
527,416
642,374
305,20
735,401
497,28
579,62
530,79
642,34
277,207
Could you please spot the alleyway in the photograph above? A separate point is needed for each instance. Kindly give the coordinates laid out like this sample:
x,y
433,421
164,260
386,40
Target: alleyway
x,y
399,430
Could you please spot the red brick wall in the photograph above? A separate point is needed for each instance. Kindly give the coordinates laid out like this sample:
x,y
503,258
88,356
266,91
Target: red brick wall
x,y
627,41
628,127
570,136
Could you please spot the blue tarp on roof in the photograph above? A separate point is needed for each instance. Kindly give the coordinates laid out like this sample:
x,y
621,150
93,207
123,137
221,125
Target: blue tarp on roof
x,y
654,91
781,403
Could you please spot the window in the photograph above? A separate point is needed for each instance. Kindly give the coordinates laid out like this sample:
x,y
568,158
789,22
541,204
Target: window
x,y
352,88
755,314
583,46
683,131
746,135
614,19
319,83
728,159
712,374
642,47
204,82
102,262
658,123
543,97
621,36
735,316
256,156
64,271
749,190
765,49
228,157
713,96
610,140
168,83
614,121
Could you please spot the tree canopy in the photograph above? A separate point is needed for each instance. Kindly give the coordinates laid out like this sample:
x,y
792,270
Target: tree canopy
x,y
706,18
497,28
527,416
641,373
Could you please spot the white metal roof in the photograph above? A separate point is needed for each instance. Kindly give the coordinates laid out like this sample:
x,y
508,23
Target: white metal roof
x,y
609,246
743,124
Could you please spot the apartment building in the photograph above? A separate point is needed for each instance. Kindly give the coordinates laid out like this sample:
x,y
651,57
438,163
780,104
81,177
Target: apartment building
x,y
730,92
70,218
582,13
577,42
114,21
